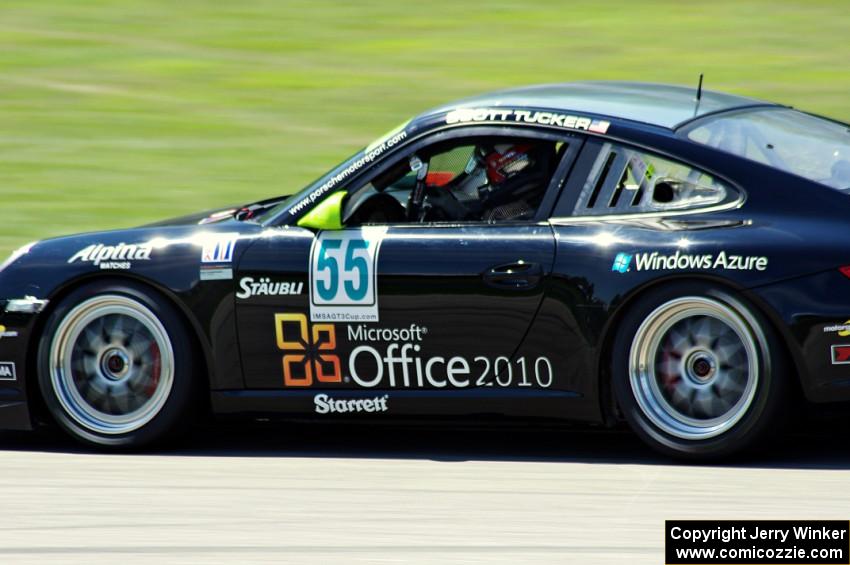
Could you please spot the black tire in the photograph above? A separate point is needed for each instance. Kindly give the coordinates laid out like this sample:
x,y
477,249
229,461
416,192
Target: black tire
x,y
720,373
128,377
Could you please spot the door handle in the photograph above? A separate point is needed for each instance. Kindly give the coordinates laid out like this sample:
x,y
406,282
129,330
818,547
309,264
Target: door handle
x,y
514,276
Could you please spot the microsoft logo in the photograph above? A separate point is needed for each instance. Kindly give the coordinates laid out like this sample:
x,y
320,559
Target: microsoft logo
x,y
306,355
622,262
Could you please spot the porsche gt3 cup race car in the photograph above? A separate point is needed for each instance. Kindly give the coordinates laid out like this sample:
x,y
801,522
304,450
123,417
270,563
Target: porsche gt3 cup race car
x,y
591,252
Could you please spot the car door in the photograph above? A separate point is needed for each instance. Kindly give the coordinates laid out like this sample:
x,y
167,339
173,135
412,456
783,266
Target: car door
x,y
397,308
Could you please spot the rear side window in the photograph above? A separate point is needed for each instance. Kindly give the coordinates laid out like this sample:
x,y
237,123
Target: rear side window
x,y
625,181
789,140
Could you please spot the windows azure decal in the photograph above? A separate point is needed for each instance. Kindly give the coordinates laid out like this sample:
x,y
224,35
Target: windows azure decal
x,y
622,262
656,261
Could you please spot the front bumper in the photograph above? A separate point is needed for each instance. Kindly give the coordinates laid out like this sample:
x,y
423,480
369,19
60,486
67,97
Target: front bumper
x,y
15,332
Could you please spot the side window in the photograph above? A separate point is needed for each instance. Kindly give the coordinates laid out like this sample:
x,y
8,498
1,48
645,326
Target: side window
x,y
624,180
482,179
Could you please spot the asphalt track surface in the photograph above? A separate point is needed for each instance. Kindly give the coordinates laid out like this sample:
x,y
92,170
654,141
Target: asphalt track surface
x,y
341,494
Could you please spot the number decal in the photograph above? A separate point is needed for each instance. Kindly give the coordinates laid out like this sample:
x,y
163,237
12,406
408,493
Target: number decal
x,y
328,288
343,275
357,263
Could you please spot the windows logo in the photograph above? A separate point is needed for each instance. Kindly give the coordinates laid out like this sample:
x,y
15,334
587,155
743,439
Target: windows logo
x,y
622,262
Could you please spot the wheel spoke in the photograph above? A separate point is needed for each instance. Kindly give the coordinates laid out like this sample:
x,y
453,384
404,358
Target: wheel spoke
x,y
702,331
93,340
140,348
678,341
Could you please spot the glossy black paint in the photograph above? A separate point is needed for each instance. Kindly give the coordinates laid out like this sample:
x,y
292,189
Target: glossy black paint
x,y
433,278
562,300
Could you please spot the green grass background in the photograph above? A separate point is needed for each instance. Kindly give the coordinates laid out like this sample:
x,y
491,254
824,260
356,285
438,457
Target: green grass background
x,y
114,113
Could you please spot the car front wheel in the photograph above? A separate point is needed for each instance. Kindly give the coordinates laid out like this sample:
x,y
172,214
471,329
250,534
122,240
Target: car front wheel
x,y
115,365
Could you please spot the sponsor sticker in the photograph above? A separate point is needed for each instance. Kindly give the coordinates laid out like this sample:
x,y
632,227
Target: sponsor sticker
x,y
622,262
7,333
360,354
7,371
841,354
216,273
264,286
309,353
327,405
655,261
118,257
344,275
568,121
26,305
841,329
219,249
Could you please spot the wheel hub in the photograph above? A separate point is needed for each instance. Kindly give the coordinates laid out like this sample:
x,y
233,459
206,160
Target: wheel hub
x,y
701,366
115,363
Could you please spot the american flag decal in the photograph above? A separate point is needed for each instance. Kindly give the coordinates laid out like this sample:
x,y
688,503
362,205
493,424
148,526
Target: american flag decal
x,y
599,126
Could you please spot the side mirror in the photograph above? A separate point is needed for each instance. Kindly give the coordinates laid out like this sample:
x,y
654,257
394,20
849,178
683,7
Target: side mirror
x,y
327,215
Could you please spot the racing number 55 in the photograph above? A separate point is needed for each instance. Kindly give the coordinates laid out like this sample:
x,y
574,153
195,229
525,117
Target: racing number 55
x,y
328,288
343,275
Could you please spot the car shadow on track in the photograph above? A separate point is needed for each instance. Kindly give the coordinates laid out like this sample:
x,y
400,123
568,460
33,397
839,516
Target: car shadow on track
x,y
821,443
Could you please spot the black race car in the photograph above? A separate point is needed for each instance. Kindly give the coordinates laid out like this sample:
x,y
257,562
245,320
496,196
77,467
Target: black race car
x,y
591,252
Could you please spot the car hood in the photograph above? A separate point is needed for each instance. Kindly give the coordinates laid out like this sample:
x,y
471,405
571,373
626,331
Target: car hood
x,y
198,218
169,254
219,215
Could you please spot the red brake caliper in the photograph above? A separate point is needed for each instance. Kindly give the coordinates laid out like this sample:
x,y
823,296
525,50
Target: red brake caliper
x,y
156,371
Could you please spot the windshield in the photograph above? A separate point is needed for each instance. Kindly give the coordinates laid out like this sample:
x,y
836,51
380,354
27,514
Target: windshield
x,y
805,145
301,202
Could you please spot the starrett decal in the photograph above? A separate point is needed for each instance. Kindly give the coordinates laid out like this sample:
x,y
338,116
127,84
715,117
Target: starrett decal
x,y
327,405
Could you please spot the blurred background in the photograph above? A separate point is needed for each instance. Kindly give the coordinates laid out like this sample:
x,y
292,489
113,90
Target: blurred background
x,y
115,113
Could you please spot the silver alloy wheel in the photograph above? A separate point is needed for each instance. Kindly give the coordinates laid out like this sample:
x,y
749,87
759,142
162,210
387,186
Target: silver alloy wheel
x,y
694,366
111,364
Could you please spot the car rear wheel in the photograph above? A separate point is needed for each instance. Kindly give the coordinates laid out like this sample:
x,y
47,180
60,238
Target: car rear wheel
x,y
115,365
698,372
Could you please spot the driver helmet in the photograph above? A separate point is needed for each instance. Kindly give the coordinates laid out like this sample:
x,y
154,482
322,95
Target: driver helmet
x,y
502,171
505,161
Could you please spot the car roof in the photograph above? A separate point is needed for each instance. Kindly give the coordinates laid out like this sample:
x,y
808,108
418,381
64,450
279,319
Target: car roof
x,y
660,105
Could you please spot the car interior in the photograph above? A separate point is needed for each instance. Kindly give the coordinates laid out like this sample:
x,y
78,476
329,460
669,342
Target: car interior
x,y
488,179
